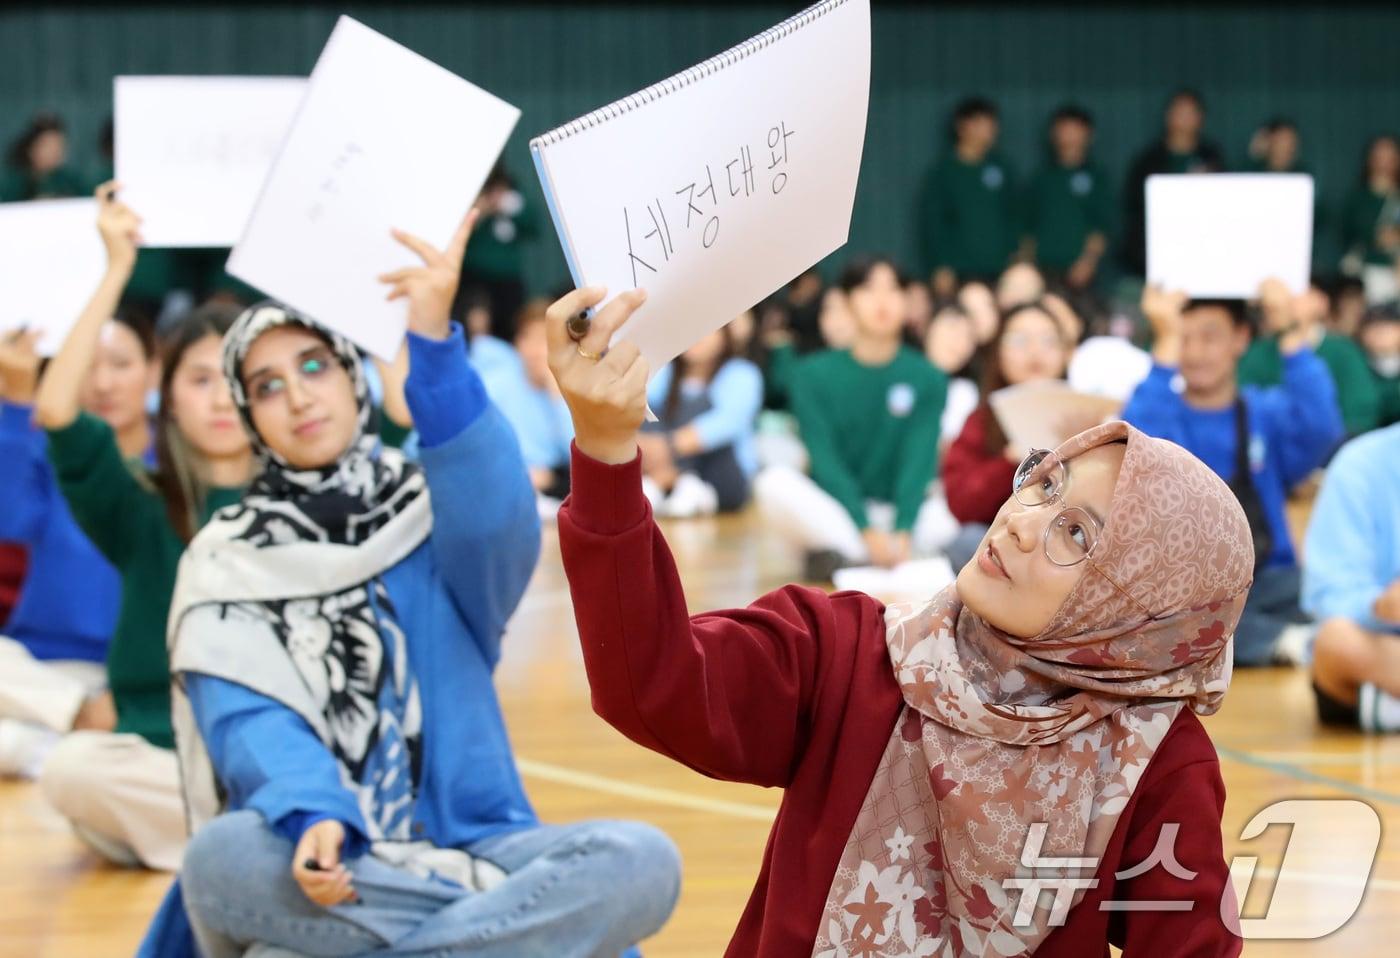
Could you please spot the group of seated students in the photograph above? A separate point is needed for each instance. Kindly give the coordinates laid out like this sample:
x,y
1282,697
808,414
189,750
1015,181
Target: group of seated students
x,y
216,632
188,598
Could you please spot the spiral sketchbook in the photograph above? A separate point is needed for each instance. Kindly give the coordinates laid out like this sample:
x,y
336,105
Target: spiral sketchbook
x,y
715,187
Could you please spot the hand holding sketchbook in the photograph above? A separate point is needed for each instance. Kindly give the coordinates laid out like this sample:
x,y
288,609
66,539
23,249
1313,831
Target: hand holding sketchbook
x,y
384,139
715,187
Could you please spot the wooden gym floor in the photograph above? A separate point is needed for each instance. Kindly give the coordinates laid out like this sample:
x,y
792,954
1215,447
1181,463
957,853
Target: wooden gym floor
x,y
58,901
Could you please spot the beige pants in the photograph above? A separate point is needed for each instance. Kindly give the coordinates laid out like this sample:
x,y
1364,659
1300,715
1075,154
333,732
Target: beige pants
x,y
38,701
122,796
809,517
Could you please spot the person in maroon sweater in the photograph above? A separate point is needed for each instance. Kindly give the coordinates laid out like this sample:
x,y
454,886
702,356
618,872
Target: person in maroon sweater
x,y
1057,682
1029,346
13,562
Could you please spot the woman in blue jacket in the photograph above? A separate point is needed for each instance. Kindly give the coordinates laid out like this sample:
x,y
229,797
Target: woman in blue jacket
x,y
333,639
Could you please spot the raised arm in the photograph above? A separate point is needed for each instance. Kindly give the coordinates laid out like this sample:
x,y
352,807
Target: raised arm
x,y
56,405
485,545
730,694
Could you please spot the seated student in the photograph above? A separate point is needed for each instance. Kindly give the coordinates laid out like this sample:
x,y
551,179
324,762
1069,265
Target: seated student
x,y
980,462
121,789
1019,283
519,383
1351,584
1262,441
1380,337
980,304
334,694
699,456
52,649
1357,395
951,345
869,418
1057,681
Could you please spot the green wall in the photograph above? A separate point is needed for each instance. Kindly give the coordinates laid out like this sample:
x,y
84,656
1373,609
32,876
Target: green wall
x,y
1333,68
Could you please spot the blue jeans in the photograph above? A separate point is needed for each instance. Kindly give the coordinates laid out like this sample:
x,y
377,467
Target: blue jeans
x,y
1271,607
590,890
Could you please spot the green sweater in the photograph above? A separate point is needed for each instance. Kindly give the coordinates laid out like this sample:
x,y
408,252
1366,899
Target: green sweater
x,y
968,217
871,431
1063,206
495,247
1262,365
20,185
1362,218
1389,388
126,520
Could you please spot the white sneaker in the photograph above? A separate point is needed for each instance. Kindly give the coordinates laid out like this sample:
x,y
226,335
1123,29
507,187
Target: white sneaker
x,y
1294,645
23,748
654,494
547,507
691,496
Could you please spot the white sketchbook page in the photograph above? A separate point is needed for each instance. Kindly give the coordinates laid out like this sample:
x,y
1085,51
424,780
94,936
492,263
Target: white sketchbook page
x,y
193,152
384,138
51,261
813,83
1041,415
1222,234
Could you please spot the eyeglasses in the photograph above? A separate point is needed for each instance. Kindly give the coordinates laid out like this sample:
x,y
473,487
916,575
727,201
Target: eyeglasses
x,y
1073,535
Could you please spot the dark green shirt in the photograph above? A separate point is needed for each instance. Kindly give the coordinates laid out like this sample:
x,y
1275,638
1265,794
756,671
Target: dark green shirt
x,y
1262,365
968,218
1364,214
20,185
495,247
871,431
1389,389
1064,205
125,518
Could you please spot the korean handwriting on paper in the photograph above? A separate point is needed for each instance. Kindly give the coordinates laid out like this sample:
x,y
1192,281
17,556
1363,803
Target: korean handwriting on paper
x,y
331,183
653,234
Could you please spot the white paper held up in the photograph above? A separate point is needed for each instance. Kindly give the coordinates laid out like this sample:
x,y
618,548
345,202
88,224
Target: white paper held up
x,y
1219,235
384,139
192,152
51,260
718,185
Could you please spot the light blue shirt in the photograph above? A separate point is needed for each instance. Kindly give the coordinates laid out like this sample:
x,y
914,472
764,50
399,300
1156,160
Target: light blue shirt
x,y
1352,553
539,416
736,394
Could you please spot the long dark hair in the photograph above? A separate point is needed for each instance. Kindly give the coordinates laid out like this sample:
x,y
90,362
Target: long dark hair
x,y
17,156
1371,144
994,378
680,368
177,476
137,319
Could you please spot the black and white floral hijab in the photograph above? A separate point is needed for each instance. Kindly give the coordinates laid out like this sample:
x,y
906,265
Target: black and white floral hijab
x,y
283,594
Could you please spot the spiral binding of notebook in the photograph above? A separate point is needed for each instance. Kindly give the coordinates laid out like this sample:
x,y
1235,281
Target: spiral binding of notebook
x,y
686,77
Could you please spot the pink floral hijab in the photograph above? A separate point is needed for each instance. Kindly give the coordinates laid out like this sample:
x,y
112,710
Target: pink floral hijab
x,y
999,733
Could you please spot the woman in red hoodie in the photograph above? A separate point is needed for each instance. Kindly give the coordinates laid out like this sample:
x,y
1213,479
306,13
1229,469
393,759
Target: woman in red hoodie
x,y
934,756
1029,347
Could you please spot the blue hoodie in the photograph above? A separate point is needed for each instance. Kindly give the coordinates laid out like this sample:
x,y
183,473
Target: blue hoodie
x,y
68,604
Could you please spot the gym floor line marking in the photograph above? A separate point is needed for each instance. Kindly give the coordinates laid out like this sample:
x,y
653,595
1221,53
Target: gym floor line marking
x,y
670,796
645,793
1307,775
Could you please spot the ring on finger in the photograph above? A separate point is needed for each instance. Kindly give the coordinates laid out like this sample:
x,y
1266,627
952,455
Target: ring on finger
x,y
587,355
